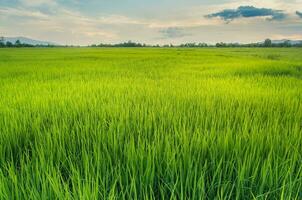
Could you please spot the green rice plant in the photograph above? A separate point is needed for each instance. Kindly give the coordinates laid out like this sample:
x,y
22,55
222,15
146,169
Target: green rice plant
x,y
151,123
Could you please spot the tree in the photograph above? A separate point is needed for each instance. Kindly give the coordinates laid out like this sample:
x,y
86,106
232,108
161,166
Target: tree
x,y
202,45
2,42
286,44
221,44
267,43
9,44
18,43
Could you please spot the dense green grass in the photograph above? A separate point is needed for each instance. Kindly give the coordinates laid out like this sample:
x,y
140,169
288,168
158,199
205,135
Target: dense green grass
x,y
150,123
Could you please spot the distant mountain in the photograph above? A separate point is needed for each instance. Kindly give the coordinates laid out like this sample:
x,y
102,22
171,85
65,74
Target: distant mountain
x,y
25,40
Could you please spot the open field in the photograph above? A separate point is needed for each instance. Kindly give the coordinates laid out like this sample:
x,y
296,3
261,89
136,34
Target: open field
x,y
150,123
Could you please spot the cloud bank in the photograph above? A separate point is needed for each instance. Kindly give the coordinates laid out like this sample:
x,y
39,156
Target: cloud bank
x,y
76,22
248,12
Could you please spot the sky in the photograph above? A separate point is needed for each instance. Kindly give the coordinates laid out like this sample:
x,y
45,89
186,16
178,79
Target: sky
x,y
84,22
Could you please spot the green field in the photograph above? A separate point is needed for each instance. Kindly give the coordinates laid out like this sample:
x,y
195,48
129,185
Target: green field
x,y
80,123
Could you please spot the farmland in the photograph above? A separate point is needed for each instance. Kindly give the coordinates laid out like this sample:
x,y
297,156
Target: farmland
x,y
151,123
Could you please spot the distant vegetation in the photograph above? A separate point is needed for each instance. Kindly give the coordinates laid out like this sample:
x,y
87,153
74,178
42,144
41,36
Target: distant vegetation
x,y
18,43
266,43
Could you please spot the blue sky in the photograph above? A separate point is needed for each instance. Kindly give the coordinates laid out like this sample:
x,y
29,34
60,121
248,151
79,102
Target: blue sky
x,y
153,21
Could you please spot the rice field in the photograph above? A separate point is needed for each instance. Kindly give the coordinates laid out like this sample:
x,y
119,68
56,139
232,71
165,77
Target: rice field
x,y
150,123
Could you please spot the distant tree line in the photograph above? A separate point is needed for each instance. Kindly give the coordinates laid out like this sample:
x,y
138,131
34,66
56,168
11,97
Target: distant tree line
x,y
124,44
134,44
19,44
266,43
16,44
